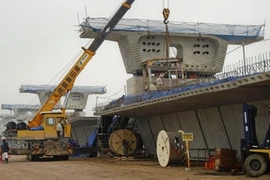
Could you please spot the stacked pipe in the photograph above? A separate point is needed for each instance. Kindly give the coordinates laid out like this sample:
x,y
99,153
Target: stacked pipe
x,y
13,126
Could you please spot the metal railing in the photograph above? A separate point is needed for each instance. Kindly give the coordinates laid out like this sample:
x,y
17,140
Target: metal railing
x,y
202,154
250,66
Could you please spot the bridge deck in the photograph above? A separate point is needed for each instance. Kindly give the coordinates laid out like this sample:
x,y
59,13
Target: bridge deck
x,y
251,88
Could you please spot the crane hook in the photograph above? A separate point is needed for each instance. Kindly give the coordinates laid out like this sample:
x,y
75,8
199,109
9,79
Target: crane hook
x,y
166,14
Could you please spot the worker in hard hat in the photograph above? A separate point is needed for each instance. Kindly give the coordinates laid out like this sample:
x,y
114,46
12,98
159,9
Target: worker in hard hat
x,y
5,149
60,128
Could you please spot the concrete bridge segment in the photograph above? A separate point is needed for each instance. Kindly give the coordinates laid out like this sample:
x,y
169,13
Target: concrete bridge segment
x,y
77,99
213,114
81,126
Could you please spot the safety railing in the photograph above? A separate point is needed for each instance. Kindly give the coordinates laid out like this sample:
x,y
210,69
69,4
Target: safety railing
x,y
239,33
200,154
249,67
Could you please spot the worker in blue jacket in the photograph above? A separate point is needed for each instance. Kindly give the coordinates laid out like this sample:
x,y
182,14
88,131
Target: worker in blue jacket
x,y
5,150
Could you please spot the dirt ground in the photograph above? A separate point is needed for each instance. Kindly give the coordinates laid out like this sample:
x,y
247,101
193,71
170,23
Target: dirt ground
x,y
106,169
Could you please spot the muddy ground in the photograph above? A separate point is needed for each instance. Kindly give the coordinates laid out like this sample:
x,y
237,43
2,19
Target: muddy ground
x,y
107,169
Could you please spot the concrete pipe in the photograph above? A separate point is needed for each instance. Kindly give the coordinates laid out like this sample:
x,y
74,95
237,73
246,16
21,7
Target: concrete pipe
x,y
123,142
170,148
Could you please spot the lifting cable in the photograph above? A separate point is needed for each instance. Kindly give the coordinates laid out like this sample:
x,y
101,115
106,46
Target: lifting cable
x,y
62,71
166,14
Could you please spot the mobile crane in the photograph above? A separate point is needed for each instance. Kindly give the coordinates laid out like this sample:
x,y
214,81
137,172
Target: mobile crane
x,y
41,137
255,158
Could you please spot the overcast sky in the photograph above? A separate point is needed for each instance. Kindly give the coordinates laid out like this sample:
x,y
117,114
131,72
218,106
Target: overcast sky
x,y
38,38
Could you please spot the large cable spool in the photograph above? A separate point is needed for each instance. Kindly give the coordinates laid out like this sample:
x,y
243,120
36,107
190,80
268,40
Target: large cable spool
x,y
123,142
171,149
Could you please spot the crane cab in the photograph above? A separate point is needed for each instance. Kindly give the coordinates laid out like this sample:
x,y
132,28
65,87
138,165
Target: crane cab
x,y
51,122
49,128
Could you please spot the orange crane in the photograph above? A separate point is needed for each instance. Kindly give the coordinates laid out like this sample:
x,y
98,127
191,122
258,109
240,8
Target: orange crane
x,y
48,133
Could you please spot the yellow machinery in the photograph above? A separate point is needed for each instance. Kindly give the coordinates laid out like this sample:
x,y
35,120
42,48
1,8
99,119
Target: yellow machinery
x,y
42,136
255,157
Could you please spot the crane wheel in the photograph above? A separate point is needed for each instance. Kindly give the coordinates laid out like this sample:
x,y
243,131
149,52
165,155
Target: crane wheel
x,y
256,165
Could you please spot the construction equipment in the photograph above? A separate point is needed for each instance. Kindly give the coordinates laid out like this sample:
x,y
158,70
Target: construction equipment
x,y
255,158
48,133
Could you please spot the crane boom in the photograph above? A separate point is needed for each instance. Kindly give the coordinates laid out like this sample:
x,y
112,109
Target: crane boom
x,y
68,81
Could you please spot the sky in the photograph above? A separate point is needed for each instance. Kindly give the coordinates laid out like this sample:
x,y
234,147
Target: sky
x,y
39,38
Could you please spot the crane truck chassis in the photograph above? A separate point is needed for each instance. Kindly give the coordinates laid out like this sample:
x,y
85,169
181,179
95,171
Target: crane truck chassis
x,y
41,137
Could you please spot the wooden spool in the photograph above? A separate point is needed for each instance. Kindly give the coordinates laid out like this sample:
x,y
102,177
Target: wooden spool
x,y
170,148
123,142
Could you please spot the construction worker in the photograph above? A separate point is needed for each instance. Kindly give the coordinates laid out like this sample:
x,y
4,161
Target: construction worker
x,y
159,82
5,149
60,128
